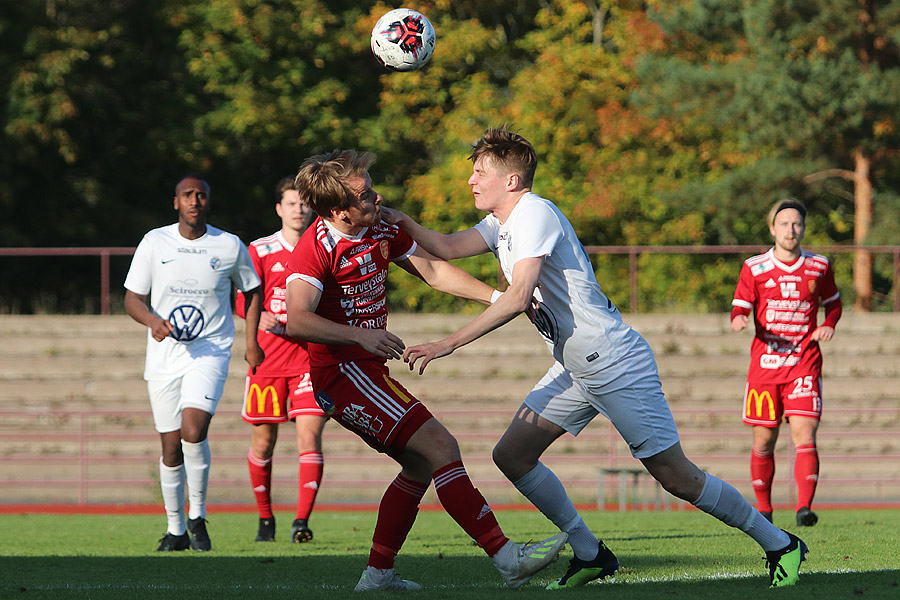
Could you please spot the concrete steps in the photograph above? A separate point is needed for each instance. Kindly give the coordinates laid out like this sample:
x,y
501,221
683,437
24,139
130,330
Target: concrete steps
x,y
93,365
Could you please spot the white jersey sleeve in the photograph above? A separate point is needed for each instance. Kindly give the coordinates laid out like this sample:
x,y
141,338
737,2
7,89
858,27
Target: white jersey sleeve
x,y
538,231
140,273
244,275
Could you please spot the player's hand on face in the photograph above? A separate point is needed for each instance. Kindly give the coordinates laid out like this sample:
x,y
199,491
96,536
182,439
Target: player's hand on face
x,y
390,216
254,357
267,321
823,334
161,330
739,323
381,342
427,352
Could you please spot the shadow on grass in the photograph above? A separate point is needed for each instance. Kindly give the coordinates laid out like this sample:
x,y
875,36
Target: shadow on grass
x,y
195,576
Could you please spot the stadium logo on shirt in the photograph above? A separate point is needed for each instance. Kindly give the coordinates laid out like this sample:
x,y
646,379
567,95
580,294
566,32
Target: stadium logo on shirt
x,y
214,262
187,322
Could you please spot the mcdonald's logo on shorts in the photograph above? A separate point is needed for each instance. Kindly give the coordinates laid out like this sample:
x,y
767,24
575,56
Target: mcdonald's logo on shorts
x,y
260,395
757,400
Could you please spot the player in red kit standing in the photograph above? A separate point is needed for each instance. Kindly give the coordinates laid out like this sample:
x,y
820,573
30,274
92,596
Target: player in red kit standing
x,y
336,300
280,390
783,289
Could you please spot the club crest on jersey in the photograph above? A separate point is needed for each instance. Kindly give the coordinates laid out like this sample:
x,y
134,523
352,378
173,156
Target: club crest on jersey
x,y
187,322
214,262
385,248
812,286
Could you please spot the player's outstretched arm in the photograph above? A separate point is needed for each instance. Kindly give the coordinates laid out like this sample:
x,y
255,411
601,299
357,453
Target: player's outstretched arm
x,y
516,299
303,323
445,277
137,309
447,246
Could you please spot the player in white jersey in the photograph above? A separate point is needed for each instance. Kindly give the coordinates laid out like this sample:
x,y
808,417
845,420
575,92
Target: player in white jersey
x,y
187,271
602,365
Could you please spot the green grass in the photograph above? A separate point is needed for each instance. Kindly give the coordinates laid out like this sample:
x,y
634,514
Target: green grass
x,y
684,554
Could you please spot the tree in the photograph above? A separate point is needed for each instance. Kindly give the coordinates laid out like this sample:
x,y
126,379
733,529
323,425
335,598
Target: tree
x,y
812,86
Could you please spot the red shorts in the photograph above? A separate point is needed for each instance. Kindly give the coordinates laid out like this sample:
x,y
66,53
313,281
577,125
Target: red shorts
x,y
363,398
278,399
764,404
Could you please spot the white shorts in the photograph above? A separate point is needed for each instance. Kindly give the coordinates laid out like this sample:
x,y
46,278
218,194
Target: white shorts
x,y
628,394
199,387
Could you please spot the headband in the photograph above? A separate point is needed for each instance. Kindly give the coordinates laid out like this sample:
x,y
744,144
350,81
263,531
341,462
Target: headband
x,y
791,204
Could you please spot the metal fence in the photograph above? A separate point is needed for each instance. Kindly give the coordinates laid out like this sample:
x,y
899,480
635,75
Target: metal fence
x,y
633,252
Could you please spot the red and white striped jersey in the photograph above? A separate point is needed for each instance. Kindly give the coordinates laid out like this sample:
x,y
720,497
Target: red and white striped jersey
x,y
784,300
351,272
285,356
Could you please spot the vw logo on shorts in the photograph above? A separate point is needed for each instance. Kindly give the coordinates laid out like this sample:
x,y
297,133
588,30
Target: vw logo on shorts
x,y
188,322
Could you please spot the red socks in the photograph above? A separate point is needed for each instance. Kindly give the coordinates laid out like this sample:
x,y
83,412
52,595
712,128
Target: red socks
x,y
806,473
311,466
396,515
261,481
467,506
762,472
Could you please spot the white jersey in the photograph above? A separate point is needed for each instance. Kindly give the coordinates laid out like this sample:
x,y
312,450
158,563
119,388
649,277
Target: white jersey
x,y
582,327
189,282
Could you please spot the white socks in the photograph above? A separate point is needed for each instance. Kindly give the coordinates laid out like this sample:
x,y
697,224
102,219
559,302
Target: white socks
x,y
544,489
725,503
171,481
196,467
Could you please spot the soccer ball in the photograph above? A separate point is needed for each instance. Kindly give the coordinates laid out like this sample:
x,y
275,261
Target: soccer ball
x,y
403,40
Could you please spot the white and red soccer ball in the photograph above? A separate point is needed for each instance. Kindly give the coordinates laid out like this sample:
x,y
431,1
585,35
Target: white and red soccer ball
x,y
403,40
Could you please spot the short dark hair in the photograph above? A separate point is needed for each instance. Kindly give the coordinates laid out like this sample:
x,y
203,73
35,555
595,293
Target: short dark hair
x,y
508,150
284,184
191,175
321,179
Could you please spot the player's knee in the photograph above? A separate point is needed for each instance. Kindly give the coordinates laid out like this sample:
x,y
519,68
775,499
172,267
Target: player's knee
x,y
505,458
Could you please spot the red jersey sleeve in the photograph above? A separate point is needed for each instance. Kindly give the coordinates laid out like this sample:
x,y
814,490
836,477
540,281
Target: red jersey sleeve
x,y
744,294
831,298
240,302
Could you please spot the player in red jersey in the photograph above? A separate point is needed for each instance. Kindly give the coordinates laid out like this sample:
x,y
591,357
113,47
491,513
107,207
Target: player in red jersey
x,y
783,289
280,390
337,302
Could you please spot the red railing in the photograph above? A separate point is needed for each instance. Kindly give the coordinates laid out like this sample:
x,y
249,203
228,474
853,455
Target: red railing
x,y
631,251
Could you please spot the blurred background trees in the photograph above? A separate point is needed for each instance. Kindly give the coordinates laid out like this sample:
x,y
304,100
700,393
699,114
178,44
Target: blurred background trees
x,y
674,122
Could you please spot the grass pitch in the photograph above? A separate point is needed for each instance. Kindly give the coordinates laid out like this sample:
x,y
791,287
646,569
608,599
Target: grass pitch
x,y
664,555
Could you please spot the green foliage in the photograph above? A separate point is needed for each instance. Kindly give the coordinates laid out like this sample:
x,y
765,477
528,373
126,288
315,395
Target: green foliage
x,y
656,123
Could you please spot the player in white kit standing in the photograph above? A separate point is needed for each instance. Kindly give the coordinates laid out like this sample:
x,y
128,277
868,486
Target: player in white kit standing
x,y
187,271
602,365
